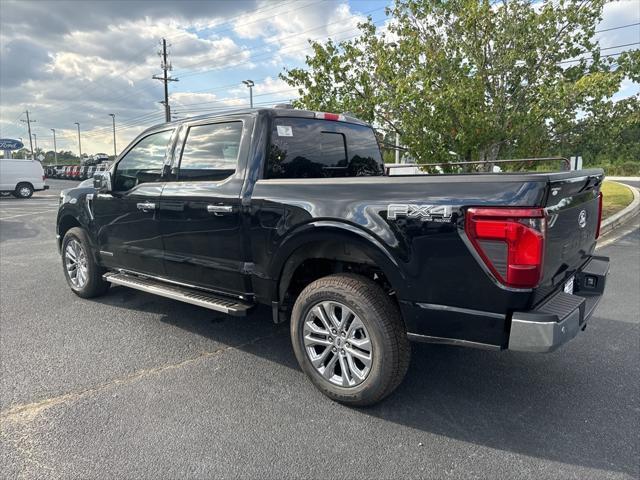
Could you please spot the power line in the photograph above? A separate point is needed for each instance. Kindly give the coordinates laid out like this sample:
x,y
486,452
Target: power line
x,y
274,40
229,20
617,28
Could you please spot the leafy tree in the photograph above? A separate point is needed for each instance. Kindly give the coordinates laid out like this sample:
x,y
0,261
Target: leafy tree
x,y
475,78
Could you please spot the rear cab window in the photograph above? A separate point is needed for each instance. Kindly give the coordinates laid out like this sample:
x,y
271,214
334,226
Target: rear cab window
x,y
210,152
314,148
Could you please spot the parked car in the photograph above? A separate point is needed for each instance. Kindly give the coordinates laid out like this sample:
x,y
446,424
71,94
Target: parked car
x,y
90,170
21,177
292,209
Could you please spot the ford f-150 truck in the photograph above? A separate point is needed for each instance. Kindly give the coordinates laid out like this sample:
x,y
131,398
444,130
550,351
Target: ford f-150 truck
x,y
292,209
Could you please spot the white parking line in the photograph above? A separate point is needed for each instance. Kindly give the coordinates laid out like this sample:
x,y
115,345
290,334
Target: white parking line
x,y
27,214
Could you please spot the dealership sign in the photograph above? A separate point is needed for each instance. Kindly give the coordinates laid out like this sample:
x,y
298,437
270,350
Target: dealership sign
x,y
9,144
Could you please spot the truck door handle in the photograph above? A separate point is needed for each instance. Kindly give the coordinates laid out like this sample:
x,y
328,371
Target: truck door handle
x,y
146,206
219,209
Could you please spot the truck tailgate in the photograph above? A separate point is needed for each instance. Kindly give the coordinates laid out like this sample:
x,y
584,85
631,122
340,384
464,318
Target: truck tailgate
x,y
573,217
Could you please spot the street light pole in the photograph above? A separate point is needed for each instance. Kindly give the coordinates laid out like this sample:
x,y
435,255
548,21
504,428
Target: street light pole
x,y
55,147
250,84
35,140
115,151
79,142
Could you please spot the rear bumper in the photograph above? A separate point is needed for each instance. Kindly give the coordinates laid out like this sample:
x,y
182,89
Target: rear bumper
x,y
559,319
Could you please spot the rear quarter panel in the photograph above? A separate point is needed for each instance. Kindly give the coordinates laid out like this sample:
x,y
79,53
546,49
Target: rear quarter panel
x,y
434,263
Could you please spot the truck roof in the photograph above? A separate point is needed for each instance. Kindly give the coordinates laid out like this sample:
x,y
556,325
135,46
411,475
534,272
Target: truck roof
x,y
271,111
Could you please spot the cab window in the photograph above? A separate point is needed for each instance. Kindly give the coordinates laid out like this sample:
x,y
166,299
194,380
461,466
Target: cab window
x,y
313,148
210,152
143,163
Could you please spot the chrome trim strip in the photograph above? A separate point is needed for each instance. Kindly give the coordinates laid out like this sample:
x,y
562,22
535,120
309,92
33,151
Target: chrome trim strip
x,y
88,200
106,254
452,341
466,311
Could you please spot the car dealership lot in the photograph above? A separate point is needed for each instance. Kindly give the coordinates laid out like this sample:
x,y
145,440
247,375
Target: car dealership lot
x,y
132,385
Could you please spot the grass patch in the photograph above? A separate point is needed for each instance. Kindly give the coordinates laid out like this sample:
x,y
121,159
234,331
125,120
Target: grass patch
x,y
615,197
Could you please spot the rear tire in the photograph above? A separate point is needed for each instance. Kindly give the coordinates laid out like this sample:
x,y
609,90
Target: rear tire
x,y
369,341
23,190
83,274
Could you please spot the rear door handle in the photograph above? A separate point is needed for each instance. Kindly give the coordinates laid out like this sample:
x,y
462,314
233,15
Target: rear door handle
x,y
146,206
219,209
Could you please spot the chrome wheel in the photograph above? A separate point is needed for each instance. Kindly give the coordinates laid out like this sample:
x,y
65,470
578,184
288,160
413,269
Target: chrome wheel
x,y
24,192
338,344
75,260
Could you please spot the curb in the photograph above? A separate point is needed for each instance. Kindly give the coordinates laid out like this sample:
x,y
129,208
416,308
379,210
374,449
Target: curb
x,y
622,179
623,215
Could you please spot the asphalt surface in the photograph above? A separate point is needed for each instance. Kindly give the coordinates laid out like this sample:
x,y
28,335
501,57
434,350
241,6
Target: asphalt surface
x,y
135,386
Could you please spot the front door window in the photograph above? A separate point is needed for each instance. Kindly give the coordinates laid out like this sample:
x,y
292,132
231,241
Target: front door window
x,y
143,163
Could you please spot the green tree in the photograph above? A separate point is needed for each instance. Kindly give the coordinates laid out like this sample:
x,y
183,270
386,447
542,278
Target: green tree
x,y
475,78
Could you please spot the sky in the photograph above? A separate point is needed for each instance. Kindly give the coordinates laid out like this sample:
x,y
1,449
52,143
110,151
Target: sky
x,y
79,61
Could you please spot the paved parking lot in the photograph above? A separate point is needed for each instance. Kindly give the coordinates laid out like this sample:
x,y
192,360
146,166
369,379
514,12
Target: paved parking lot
x,y
135,386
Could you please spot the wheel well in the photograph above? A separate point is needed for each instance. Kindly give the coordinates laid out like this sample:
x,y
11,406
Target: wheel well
x,y
24,183
317,260
67,223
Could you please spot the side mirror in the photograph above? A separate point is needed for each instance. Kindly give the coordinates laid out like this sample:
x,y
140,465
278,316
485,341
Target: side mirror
x,y
102,182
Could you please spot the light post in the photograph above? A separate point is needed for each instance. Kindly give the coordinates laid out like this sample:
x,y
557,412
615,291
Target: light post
x,y
55,148
250,84
79,142
35,140
115,151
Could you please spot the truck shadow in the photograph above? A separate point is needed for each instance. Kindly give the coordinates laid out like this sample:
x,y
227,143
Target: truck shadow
x,y
566,406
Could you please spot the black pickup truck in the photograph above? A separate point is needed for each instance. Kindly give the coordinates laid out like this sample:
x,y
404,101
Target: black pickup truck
x,y
292,209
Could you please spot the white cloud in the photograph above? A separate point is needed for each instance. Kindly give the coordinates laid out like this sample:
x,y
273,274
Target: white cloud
x,y
290,26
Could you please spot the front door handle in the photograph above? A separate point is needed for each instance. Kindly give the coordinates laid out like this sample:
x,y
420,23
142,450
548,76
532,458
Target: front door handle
x,y
219,209
146,206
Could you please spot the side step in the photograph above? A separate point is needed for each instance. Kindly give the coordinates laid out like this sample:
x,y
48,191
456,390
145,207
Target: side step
x,y
176,292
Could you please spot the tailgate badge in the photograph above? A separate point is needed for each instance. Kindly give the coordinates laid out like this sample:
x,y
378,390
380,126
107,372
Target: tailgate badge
x,y
582,218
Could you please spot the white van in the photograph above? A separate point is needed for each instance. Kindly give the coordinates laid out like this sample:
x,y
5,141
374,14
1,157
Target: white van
x,y
21,177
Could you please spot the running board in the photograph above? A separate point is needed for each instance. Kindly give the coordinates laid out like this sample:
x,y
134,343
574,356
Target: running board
x,y
183,294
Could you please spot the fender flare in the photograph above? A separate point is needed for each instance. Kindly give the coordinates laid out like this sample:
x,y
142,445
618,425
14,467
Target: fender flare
x,y
291,254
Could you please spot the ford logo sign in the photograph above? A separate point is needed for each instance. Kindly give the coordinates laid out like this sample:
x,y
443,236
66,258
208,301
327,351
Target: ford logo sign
x,y
582,218
9,144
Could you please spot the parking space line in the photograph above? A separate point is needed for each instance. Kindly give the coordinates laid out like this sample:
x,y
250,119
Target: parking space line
x,y
27,412
27,214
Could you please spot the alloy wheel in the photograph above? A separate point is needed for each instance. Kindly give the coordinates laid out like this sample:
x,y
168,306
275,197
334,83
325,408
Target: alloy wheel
x,y
75,259
338,344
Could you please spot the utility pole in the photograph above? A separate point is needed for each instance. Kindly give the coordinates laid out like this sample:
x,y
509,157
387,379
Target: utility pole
x,y
79,143
250,84
165,78
397,147
115,151
55,147
29,122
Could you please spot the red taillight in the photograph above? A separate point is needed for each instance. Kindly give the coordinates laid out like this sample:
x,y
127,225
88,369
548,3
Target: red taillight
x,y
599,215
510,242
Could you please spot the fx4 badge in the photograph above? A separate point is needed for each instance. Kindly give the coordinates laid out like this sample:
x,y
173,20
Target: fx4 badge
x,y
426,213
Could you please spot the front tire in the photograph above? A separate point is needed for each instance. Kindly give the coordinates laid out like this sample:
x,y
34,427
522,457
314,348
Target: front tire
x,y
349,338
83,274
23,190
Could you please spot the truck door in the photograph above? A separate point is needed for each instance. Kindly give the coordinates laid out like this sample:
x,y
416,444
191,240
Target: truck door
x,y
200,210
126,219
